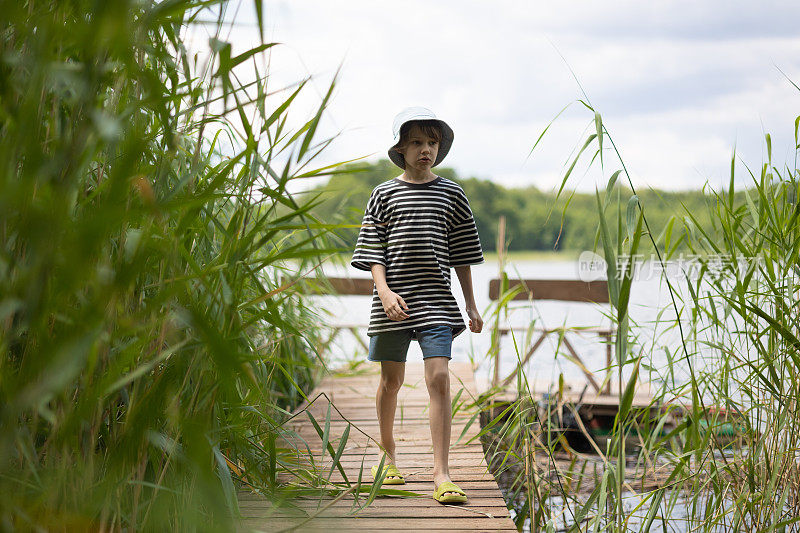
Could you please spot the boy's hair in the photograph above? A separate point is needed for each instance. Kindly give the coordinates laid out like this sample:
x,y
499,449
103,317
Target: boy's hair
x,y
431,128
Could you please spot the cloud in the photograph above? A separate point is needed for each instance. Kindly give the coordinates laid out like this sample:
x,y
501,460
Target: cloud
x,y
678,83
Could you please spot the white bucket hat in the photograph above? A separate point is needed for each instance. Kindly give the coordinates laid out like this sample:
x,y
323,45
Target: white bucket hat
x,y
419,113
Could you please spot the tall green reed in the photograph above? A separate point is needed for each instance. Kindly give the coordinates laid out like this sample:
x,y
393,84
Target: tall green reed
x,y
745,319
736,317
150,349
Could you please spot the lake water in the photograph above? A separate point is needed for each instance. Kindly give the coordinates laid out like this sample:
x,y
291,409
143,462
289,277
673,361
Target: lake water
x,y
651,315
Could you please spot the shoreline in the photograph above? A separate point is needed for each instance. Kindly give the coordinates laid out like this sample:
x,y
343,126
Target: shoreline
x,y
534,255
518,255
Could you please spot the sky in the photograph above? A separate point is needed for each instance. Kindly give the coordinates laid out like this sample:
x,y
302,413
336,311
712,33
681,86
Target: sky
x,y
679,84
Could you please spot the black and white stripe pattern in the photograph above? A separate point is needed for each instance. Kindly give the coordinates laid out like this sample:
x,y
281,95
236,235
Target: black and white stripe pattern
x,y
418,231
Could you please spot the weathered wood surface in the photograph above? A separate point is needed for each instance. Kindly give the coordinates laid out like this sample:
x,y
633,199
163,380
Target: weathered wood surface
x,y
339,286
354,396
567,290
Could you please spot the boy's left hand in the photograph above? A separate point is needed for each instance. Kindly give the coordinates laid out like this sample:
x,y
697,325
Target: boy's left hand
x,y
475,320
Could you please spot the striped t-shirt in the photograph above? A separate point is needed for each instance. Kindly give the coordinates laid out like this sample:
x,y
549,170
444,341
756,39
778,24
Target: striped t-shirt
x,y
418,231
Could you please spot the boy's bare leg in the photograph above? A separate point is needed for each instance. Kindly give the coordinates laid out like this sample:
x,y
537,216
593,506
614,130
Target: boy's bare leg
x,y
392,376
437,378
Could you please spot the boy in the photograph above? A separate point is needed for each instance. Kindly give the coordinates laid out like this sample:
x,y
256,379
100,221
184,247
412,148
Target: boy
x,y
416,227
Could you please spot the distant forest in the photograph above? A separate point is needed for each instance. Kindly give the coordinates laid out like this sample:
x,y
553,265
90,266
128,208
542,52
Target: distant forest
x,y
535,220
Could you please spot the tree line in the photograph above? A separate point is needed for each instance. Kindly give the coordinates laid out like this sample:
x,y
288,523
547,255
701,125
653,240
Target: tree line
x,y
536,220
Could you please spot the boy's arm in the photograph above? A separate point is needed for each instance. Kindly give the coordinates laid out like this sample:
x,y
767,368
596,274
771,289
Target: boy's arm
x,y
393,304
465,277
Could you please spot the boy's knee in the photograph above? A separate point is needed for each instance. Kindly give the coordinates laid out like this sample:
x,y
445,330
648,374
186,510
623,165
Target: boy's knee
x,y
391,384
438,381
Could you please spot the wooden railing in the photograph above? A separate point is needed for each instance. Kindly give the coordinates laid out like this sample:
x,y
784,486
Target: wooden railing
x,y
560,290
532,289
341,287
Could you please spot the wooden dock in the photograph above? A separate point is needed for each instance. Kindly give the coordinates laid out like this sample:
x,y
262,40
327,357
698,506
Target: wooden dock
x,y
354,396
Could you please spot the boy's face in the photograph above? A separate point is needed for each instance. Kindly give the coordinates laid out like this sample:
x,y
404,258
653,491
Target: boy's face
x,y
420,151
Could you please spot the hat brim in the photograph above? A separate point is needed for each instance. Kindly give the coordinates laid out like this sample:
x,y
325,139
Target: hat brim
x,y
444,146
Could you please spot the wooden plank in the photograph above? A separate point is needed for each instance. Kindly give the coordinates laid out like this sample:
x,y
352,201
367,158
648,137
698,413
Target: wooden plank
x,y
336,477
480,491
336,286
361,419
337,426
411,436
567,290
470,522
462,473
420,511
416,453
355,529
408,431
405,466
406,459
480,501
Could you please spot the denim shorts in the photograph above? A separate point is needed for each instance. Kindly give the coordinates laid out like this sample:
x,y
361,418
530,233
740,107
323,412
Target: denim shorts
x,y
435,341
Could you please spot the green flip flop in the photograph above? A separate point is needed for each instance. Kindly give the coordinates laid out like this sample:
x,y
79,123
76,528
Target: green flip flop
x,y
449,492
392,476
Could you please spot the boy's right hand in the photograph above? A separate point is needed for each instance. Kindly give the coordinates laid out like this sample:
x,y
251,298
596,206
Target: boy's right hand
x,y
393,304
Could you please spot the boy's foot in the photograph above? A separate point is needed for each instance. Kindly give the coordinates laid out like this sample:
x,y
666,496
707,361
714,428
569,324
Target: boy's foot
x,y
449,492
392,477
445,488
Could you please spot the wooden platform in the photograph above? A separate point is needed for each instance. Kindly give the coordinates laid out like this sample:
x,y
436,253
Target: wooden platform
x,y
575,394
354,396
